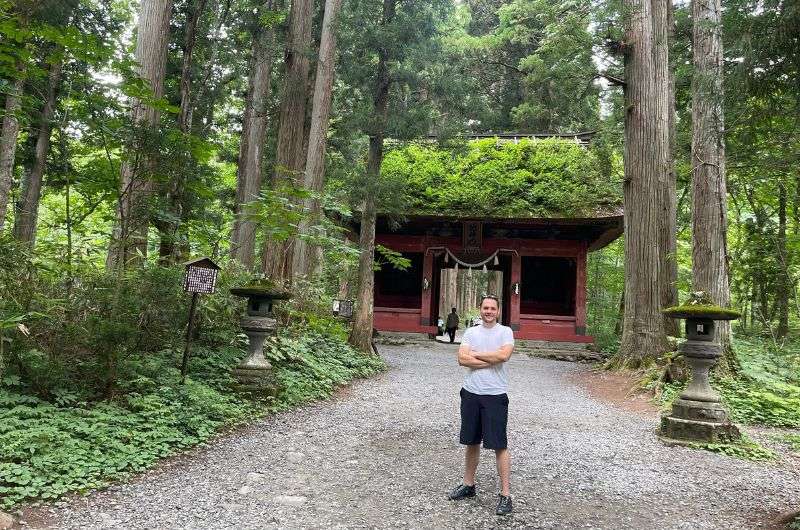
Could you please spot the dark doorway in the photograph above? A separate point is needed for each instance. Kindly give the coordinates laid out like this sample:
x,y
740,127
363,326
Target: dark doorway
x,y
400,288
548,286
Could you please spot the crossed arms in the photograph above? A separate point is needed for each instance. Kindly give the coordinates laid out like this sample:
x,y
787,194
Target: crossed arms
x,y
473,359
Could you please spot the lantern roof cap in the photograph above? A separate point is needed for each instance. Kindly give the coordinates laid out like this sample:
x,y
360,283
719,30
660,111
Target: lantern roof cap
x,y
702,311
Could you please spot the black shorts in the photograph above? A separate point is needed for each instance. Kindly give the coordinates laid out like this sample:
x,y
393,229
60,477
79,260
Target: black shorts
x,y
484,417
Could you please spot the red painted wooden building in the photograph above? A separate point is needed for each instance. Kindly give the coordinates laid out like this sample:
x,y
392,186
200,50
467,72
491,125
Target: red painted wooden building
x,y
543,263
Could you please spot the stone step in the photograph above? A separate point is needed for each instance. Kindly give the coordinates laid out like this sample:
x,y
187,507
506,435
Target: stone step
x,y
552,345
575,356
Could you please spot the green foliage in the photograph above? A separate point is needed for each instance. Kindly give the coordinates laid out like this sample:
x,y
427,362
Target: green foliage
x,y
311,365
792,440
754,402
391,257
744,449
533,178
605,280
49,448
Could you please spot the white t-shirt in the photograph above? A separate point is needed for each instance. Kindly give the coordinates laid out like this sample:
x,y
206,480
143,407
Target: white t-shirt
x,y
491,380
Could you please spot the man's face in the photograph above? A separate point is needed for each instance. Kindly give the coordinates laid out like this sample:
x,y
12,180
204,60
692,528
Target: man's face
x,y
489,310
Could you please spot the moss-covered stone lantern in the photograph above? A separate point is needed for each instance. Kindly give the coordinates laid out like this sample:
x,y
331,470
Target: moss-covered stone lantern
x,y
698,414
254,373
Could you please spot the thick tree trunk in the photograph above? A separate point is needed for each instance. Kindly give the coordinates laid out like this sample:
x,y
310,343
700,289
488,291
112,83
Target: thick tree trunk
x,y
709,193
645,155
664,33
290,157
27,211
250,172
306,256
129,239
784,282
169,228
8,144
361,335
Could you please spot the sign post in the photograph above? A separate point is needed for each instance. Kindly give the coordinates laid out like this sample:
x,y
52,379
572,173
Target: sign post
x,y
200,277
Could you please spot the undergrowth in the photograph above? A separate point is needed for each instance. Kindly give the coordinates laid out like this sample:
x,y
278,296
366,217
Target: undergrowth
x,y
50,448
744,449
89,383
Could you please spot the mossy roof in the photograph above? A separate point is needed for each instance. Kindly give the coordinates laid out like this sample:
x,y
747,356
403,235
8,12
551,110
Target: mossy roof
x,y
532,178
711,311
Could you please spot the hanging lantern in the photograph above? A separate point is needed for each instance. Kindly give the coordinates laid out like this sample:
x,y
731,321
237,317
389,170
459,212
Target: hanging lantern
x,y
484,267
496,261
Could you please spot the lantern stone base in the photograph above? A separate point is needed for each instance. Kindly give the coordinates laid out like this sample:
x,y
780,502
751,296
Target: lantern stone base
x,y
259,382
698,421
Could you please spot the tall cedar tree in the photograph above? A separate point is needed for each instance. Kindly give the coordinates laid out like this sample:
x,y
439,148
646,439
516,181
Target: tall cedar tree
x,y
307,257
645,155
709,188
170,224
250,171
361,335
129,239
290,156
27,210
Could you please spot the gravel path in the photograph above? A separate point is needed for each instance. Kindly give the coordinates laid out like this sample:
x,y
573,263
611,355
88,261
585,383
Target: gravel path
x,y
384,454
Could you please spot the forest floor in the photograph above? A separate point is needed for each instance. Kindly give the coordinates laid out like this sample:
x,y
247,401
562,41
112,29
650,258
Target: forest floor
x,y
384,454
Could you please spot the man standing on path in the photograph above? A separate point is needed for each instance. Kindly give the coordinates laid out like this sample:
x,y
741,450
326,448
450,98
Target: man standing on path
x,y
484,401
452,325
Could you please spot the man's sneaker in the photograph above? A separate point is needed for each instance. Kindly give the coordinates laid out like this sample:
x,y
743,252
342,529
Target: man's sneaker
x,y
462,492
504,505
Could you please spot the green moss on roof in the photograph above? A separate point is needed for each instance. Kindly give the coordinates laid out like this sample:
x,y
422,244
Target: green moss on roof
x,y
532,178
711,311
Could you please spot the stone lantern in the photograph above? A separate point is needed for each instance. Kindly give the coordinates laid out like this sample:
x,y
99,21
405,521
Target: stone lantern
x,y
698,414
254,373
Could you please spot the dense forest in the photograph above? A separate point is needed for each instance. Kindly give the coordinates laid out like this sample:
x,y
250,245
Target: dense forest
x,y
137,135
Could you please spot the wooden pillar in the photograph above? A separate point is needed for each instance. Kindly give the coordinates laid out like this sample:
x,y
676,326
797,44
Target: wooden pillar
x,y
516,275
427,279
580,293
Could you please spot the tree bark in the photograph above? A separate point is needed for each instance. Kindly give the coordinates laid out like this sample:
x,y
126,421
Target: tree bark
x,y
784,282
709,194
306,256
250,172
168,252
645,169
290,157
27,210
129,239
664,34
361,335
8,143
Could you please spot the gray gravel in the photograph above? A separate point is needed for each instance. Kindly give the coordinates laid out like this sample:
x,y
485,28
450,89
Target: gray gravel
x,y
384,454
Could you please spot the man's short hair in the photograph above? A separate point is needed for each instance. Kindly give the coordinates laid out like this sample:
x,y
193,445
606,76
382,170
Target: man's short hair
x,y
454,309
490,297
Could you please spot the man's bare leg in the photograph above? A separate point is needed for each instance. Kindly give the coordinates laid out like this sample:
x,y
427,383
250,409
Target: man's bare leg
x,y
471,456
503,470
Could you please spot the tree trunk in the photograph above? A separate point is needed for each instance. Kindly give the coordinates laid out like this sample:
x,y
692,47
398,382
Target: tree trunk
x,y
646,143
664,34
250,172
8,144
306,258
169,228
27,211
361,335
129,239
290,157
784,282
709,195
